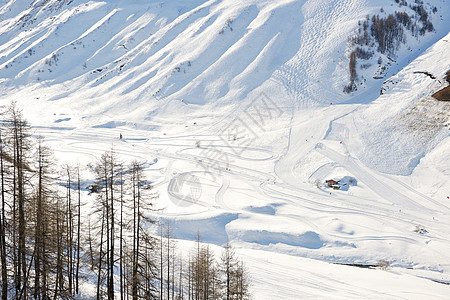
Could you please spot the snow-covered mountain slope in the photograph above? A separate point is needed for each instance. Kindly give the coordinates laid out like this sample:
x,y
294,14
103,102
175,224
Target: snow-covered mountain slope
x,y
404,123
247,98
87,54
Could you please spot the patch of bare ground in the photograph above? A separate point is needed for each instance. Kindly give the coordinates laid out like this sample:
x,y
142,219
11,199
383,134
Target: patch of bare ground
x,y
425,118
443,95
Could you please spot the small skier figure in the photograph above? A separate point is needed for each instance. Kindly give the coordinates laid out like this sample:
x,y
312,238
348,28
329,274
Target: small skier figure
x,y
120,136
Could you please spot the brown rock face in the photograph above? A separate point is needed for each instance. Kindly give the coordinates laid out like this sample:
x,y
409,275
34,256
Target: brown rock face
x,y
444,94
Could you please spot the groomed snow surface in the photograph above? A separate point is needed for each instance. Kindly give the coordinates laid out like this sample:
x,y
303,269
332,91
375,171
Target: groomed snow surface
x,y
238,112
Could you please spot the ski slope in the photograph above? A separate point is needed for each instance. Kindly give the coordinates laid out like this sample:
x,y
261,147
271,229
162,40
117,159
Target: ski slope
x,y
237,111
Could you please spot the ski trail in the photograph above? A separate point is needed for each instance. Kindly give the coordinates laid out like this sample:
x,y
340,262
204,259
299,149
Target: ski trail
x,y
223,188
320,16
306,131
378,186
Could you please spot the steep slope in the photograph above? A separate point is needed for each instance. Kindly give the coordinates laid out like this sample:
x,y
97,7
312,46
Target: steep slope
x,y
118,57
404,123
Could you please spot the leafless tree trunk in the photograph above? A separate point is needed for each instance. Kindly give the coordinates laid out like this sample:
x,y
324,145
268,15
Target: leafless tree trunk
x,y
122,292
3,226
78,232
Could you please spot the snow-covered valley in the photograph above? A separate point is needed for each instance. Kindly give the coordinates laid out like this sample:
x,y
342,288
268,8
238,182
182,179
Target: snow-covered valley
x,y
238,112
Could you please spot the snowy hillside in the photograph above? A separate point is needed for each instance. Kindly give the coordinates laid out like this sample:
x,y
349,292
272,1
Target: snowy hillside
x,y
82,54
244,101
